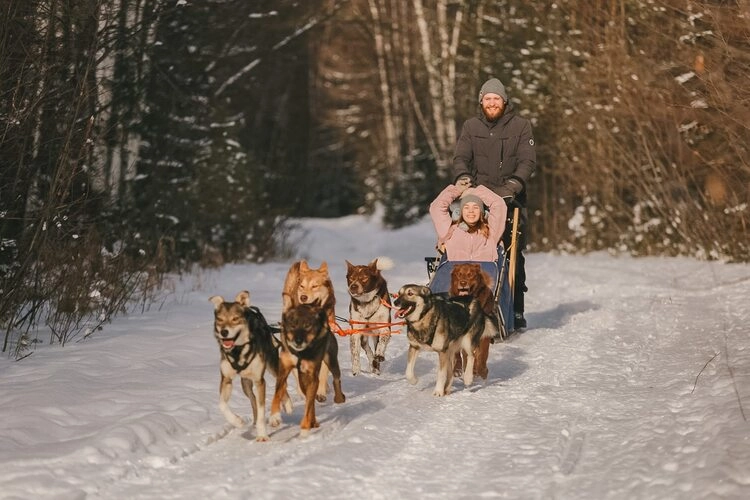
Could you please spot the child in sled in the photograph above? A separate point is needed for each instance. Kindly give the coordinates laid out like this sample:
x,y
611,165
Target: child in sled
x,y
475,231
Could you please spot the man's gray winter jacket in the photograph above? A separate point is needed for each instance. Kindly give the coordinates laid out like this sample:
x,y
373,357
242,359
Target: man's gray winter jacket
x,y
494,153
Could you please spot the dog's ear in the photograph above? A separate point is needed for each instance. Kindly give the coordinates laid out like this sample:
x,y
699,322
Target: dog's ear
x,y
323,267
286,301
486,279
425,290
349,266
323,318
303,266
217,301
243,298
374,265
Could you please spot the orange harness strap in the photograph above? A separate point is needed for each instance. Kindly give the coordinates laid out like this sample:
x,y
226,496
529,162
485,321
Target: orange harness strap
x,y
335,328
369,326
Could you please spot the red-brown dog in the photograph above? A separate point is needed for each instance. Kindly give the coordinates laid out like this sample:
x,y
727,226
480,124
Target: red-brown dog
x,y
468,279
368,311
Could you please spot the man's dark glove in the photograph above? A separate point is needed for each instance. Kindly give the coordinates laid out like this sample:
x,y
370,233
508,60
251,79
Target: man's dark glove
x,y
511,203
510,188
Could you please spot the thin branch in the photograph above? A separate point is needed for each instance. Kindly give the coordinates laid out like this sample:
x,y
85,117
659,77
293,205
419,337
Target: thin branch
x,y
311,23
699,373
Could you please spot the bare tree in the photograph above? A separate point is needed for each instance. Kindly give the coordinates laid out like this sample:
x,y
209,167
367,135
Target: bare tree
x,y
655,128
57,267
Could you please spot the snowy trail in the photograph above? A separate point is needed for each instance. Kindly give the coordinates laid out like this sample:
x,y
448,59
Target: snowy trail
x,y
632,382
568,407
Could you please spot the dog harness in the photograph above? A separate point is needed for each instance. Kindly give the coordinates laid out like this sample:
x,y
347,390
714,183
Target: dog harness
x,y
238,356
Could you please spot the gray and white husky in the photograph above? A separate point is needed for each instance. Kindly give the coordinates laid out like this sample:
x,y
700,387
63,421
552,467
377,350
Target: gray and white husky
x,y
445,326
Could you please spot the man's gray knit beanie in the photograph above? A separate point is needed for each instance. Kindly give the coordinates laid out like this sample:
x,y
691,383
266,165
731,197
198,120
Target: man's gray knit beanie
x,y
493,86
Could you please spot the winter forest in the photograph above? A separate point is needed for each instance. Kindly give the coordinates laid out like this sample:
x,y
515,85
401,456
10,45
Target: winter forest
x,y
145,137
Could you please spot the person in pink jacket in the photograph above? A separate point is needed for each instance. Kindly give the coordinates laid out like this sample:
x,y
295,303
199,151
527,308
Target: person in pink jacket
x,y
474,236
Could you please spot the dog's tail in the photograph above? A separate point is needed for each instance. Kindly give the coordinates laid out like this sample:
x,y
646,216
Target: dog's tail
x,y
385,263
480,324
491,325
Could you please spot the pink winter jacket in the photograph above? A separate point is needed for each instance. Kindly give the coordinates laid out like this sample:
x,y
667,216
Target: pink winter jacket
x,y
459,244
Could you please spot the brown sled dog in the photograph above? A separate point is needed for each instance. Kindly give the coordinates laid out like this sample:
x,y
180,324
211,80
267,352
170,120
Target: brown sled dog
x,y
468,279
307,344
304,285
247,348
368,308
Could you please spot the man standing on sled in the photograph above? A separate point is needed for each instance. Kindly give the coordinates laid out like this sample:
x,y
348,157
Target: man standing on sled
x,y
496,149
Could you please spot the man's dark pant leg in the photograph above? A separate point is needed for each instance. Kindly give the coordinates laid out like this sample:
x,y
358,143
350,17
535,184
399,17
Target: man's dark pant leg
x,y
520,283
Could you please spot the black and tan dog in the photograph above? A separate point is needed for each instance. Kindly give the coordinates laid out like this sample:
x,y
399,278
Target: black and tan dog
x,y
368,311
307,344
247,349
437,324
305,285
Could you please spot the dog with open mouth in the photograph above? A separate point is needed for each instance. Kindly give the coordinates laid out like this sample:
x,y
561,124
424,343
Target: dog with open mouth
x,y
247,348
434,323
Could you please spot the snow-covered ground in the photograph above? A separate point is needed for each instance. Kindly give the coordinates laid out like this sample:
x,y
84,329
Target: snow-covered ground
x,y
632,382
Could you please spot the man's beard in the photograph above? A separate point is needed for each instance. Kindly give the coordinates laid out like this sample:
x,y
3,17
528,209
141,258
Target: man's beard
x,y
494,113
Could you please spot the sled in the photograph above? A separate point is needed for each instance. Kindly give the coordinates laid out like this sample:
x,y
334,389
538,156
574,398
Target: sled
x,y
501,273
439,273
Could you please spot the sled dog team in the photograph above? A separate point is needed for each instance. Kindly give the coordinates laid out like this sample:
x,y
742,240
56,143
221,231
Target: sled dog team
x,y
457,327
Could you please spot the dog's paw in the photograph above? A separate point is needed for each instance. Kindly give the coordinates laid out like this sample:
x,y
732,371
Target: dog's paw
x,y
262,439
376,364
320,398
412,379
274,419
355,371
339,398
468,378
236,421
303,433
438,393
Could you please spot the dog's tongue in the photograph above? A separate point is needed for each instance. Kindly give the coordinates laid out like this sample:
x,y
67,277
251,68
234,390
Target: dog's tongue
x,y
401,313
227,343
